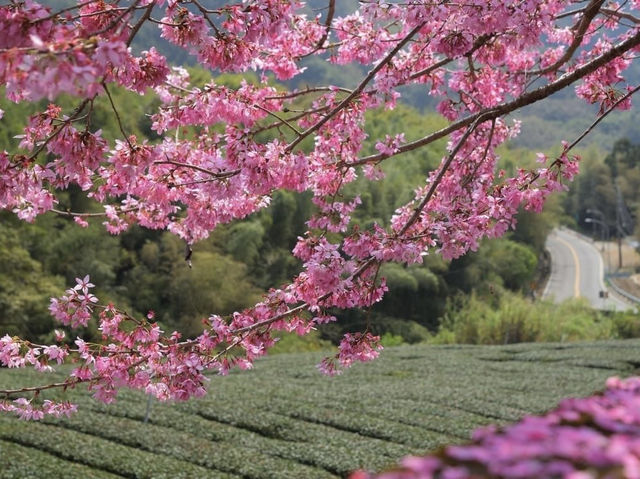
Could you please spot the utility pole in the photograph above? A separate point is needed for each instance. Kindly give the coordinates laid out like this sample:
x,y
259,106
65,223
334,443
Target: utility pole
x,y
619,228
624,221
603,225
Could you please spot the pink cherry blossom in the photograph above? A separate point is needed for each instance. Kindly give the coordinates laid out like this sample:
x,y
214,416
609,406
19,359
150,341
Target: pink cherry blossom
x,y
588,437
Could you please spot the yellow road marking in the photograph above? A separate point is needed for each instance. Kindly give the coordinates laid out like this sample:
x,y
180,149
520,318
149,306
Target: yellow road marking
x,y
576,284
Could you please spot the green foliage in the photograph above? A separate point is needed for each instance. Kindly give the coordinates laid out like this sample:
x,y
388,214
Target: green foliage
x,y
29,463
593,194
498,263
626,325
25,290
389,340
245,240
408,331
510,318
292,343
76,252
215,283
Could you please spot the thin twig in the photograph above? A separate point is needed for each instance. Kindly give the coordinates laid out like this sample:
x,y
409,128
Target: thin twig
x,y
139,23
55,14
625,15
282,120
439,177
221,175
600,118
306,91
113,106
293,118
87,215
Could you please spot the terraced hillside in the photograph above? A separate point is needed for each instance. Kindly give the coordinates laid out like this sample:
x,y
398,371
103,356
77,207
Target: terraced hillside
x,y
285,420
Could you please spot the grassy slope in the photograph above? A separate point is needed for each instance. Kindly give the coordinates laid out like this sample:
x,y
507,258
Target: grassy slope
x,y
284,420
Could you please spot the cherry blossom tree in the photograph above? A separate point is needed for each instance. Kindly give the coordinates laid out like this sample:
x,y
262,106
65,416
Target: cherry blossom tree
x,y
480,60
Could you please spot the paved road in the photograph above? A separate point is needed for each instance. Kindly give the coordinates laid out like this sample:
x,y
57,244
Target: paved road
x,y
577,271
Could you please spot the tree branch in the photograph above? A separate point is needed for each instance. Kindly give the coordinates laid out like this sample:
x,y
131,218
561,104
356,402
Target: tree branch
x,y
508,107
357,91
220,175
590,12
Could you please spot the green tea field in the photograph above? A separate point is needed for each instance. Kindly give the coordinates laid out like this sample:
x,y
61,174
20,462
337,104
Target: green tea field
x,y
285,420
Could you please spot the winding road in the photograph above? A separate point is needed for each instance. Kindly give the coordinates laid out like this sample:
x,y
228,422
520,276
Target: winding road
x,y
577,271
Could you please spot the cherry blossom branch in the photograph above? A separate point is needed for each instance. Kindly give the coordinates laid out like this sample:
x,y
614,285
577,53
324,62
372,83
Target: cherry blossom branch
x,y
139,23
219,175
330,13
601,117
480,42
590,12
74,116
118,19
205,13
358,89
472,175
508,107
363,267
443,169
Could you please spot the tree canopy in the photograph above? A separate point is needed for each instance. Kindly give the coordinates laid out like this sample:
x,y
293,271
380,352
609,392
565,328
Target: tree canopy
x,y
207,153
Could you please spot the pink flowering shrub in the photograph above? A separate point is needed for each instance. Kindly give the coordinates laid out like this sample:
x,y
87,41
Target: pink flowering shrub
x,y
594,437
480,60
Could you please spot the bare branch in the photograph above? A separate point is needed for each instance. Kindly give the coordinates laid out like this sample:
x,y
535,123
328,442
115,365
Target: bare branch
x,y
64,384
68,9
139,23
220,175
115,111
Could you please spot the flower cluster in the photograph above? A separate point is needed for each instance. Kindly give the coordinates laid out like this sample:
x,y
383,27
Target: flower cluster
x,y
598,436
76,306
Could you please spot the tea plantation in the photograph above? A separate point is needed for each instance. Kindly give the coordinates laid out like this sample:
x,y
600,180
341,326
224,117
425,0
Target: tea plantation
x,y
285,420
